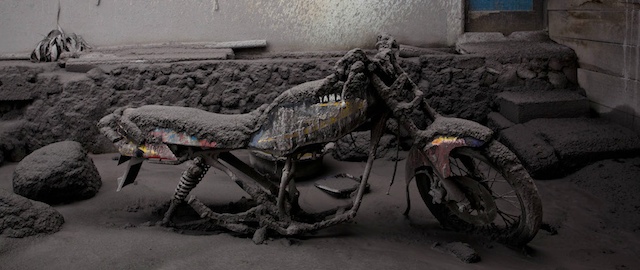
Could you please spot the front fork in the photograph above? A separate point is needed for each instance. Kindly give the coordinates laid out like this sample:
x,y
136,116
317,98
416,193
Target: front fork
x,y
434,162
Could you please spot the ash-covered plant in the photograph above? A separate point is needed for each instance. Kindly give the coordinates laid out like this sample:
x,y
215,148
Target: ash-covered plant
x,y
55,43
58,42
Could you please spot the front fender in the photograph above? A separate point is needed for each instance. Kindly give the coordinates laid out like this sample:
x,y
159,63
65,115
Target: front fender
x,y
434,145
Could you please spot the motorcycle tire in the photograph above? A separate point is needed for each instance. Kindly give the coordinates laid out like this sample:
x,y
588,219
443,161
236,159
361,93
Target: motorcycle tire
x,y
502,200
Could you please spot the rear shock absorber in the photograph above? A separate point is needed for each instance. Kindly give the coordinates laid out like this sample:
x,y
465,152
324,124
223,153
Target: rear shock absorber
x,y
188,181
190,178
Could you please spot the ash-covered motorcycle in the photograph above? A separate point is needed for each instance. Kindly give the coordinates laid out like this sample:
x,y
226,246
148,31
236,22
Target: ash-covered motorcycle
x,y
469,181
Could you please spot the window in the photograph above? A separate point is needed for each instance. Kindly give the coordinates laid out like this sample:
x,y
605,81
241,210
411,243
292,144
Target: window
x,y
500,5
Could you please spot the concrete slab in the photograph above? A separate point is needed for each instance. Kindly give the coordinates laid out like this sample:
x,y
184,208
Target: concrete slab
x,y
575,142
518,44
579,140
84,64
537,155
516,49
520,107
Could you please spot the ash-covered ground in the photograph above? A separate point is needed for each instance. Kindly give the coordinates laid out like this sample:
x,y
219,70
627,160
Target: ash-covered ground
x,y
591,222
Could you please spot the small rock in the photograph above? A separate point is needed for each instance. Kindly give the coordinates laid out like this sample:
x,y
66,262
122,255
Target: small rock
x,y
462,251
57,173
191,83
287,242
508,77
138,83
526,73
260,236
21,217
166,70
97,75
557,79
116,71
555,64
162,80
147,224
284,73
177,81
32,77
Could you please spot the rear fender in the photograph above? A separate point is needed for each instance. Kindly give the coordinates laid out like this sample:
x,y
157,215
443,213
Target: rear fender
x,y
157,151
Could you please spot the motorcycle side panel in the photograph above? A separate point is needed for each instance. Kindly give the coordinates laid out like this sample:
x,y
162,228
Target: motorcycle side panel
x,y
302,124
181,138
146,151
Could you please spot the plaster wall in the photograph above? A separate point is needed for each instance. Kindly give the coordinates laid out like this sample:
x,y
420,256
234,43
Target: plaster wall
x,y
287,25
606,37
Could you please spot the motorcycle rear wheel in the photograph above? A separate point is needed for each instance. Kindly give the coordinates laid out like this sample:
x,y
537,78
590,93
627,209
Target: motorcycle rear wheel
x,y
503,199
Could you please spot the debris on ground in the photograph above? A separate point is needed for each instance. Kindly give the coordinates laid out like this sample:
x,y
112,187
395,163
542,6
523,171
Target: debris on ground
x,y
462,251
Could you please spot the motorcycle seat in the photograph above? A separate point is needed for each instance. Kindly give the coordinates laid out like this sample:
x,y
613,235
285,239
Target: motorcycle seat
x,y
192,126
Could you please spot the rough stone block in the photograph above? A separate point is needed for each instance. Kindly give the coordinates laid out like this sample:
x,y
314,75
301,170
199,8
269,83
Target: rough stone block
x,y
498,122
520,107
21,217
57,173
12,144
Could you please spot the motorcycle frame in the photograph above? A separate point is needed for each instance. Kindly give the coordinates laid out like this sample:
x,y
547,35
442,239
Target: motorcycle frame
x,y
436,142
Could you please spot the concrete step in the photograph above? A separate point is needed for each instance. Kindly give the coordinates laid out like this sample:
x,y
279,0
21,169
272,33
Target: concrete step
x,y
551,148
520,107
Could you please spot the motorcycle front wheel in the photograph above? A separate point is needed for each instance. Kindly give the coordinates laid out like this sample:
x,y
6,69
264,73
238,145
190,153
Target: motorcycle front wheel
x,y
501,200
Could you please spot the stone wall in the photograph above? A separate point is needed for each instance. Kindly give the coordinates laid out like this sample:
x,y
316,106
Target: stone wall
x,y
42,103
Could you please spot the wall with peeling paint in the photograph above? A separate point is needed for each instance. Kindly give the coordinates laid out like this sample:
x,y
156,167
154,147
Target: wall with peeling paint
x,y
299,25
606,37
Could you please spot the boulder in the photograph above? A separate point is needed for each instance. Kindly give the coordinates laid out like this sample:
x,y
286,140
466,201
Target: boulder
x,y
21,217
57,173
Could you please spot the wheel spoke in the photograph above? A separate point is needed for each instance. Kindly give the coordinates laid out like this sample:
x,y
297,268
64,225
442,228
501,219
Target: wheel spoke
x,y
504,195
461,169
496,195
494,178
493,181
508,219
512,203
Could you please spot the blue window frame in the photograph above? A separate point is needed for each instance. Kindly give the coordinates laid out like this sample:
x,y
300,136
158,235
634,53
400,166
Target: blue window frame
x,y
500,5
